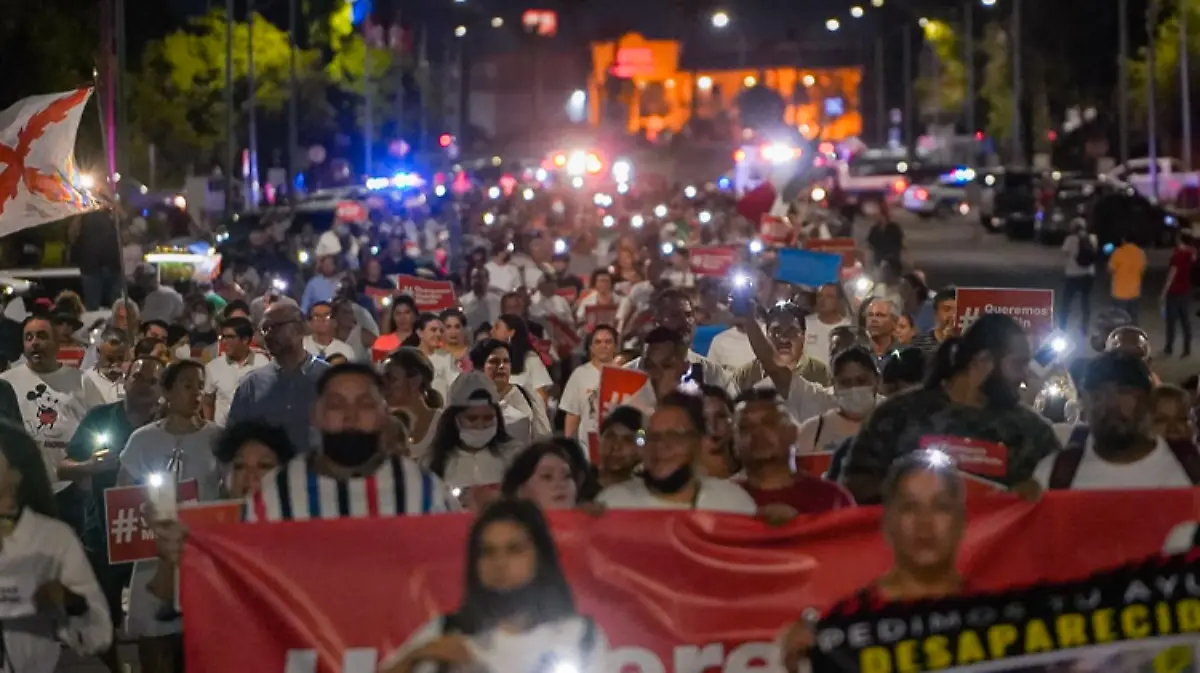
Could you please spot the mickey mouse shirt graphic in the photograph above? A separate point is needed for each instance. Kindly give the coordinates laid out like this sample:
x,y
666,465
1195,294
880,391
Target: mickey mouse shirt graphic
x,y
51,408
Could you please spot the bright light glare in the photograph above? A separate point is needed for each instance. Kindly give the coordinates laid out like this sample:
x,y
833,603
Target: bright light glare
x,y
668,248
856,12
622,187
809,80
493,192
937,458
705,82
489,219
749,81
279,284
660,210
87,181
637,221
818,194
303,257
877,3
705,217
741,280
577,163
756,246
578,97
180,202
602,200
720,19
156,480
778,153
988,3
832,25
439,191
577,183
862,284
565,667
540,175
497,22
101,438
689,192
923,22
608,221
460,31
527,194
560,246
1059,344
621,170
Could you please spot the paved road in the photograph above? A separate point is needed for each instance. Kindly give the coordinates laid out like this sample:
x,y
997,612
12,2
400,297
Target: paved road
x,y
959,251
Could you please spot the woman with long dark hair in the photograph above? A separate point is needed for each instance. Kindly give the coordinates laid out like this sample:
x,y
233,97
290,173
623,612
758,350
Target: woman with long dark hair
x,y
456,340
429,337
545,475
408,378
398,324
524,414
527,368
517,612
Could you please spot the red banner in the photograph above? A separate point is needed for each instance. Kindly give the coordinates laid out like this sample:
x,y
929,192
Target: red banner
x,y
713,261
842,246
617,387
431,296
71,356
673,591
599,314
130,535
1033,309
350,211
381,296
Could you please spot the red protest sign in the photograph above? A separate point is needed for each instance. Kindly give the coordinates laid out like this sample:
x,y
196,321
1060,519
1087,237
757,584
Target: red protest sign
x,y
599,314
775,230
713,260
127,520
562,335
842,246
380,295
431,295
71,356
569,292
1032,309
194,514
350,211
983,465
617,387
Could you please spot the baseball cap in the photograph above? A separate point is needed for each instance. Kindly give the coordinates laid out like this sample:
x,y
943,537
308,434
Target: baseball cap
x,y
472,389
1119,368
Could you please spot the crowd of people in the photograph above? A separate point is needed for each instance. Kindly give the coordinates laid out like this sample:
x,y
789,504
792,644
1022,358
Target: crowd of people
x,y
343,398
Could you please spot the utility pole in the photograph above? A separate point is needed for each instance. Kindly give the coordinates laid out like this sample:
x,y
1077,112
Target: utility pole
x,y
368,97
969,62
122,97
293,111
1018,144
1123,79
908,87
230,130
251,105
1152,93
1185,92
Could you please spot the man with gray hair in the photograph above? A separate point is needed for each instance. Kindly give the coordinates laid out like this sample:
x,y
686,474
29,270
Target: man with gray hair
x,y
882,316
103,382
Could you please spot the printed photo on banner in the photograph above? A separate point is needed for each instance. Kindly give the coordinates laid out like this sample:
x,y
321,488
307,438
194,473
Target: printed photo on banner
x,y
1032,309
649,582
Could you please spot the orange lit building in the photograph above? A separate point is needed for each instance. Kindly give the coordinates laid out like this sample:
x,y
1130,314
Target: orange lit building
x,y
657,89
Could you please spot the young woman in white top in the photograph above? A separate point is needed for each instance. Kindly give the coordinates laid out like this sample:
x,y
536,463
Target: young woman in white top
x,y
178,447
428,337
407,379
456,340
525,416
580,399
471,448
517,612
528,371
855,388
52,597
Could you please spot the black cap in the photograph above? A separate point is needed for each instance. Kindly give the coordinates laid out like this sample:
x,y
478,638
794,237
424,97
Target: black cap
x,y
1122,369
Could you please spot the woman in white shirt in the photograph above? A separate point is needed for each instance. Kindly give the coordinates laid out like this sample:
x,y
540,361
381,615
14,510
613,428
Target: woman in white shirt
x,y
524,414
408,386
52,596
517,612
528,371
471,448
179,446
581,395
429,338
855,388
456,341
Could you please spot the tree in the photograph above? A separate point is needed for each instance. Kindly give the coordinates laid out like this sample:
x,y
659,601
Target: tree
x,y
345,71
996,86
942,91
1166,72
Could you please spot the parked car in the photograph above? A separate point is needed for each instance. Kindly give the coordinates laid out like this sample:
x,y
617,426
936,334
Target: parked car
x,y
942,195
1072,198
1118,210
1008,200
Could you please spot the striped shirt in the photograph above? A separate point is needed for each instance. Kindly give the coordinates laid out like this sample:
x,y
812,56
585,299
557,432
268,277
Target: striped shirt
x,y
296,492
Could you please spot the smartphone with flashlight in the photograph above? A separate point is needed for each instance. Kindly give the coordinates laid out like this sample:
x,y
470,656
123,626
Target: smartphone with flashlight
x,y
741,296
1056,348
162,488
693,375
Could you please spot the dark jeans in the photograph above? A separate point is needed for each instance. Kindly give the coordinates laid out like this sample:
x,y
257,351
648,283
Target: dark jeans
x,y
1076,288
101,288
1179,312
1129,306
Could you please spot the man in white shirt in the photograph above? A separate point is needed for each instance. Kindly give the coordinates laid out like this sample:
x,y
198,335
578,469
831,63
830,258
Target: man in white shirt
x,y
502,274
319,341
1121,450
668,480
674,311
731,349
103,382
226,371
829,313
50,394
581,397
480,305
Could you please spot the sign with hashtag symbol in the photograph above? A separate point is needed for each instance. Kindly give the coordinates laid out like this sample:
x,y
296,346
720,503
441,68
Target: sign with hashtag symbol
x,y
126,514
1031,308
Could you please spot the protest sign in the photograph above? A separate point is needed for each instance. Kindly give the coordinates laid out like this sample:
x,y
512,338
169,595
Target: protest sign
x,y
617,387
713,260
381,296
127,520
845,247
350,211
1032,309
431,296
599,314
71,356
684,591
775,230
807,268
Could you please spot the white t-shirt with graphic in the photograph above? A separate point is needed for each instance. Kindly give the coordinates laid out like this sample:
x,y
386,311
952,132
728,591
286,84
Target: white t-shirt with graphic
x,y
1159,469
716,495
581,398
51,408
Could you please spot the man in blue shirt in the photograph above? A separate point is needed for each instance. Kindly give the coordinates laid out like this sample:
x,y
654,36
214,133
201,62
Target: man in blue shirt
x,y
323,286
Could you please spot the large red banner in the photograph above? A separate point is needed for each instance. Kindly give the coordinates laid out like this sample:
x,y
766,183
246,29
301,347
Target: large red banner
x,y
1033,309
687,592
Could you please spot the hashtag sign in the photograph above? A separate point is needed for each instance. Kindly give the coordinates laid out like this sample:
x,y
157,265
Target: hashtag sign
x,y
969,316
124,525
130,535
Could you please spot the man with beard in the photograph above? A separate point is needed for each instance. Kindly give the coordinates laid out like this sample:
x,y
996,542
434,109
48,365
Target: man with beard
x,y
352,472
786,333
673,309
1121,449
282,393
969,409
668,479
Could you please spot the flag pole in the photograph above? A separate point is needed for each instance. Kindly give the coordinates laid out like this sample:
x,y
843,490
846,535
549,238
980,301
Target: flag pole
x,y
113,202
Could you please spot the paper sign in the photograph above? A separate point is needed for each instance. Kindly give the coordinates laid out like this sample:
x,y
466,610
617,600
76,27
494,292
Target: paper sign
x,y
127,520
713,260
1032,309
600,314
380,295
840,246
814,464
350,211
563,335
569,292
617,387
808,268
775,230
983,464
431,296
71,356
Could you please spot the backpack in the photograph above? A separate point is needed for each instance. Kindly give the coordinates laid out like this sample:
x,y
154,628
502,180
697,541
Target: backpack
x,y
1066,462
1085,255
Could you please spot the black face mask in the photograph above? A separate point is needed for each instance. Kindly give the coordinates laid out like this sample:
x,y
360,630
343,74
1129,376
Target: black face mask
x,y
999,393
350,448
672,483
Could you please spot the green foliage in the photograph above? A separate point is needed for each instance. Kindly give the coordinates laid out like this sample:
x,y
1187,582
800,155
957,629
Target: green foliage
x,y
1166,67
996,84
943,94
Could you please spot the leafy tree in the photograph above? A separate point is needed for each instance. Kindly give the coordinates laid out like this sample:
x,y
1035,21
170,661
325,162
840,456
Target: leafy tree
x,y
1166,71
346,69
942,93
996,84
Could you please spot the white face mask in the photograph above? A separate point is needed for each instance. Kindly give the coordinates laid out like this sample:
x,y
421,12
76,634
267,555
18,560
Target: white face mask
x,y
477,438
200,319
856,401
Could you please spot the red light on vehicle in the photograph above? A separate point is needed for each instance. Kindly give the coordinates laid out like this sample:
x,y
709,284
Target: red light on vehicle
x,y
445,139
979,135
921,194
825,147
594,165
560,160
900,185
1051,135
739,156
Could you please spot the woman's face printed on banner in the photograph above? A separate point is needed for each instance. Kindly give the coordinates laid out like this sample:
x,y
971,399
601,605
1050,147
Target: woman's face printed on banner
x,y
252,461
508,558
923,523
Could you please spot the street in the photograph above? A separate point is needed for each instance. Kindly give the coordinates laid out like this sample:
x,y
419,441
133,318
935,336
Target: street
x,y
960,252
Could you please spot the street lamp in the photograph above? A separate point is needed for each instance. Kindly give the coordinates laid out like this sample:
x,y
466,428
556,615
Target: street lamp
x,y
856,12
720,19
497,22
988,3
923,22
460,31
832,25
877,3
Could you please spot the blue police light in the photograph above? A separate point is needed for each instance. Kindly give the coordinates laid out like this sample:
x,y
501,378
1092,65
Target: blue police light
x,y
407,180
360,10
958,176
723,183
378,183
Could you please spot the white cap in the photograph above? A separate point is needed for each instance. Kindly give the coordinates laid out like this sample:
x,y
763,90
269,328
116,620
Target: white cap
x,y
472,389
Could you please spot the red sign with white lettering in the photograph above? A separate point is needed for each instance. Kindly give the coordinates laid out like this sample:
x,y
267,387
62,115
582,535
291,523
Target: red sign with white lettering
x,y
431,295
713,261
1032,309
127,520
71,357
351,211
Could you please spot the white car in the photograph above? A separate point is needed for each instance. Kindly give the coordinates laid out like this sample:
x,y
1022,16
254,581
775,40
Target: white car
x,y
1171,177
943,197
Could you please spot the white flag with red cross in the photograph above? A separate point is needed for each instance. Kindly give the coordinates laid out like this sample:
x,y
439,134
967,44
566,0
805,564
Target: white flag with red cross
x,y
38,179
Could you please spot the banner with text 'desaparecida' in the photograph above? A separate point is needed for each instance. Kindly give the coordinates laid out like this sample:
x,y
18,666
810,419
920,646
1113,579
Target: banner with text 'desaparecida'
x,y
1141,618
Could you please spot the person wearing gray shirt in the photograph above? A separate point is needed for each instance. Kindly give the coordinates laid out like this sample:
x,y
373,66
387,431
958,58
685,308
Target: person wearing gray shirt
x,y
283,392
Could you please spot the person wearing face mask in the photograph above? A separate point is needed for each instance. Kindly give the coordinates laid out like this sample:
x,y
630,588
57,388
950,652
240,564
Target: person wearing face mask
x,y
544,475
353,455
669,479
102,381
856,388
1122,448
969,408
202,329
472,449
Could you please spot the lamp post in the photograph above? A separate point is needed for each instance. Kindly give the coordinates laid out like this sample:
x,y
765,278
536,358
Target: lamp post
x,y
721,21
